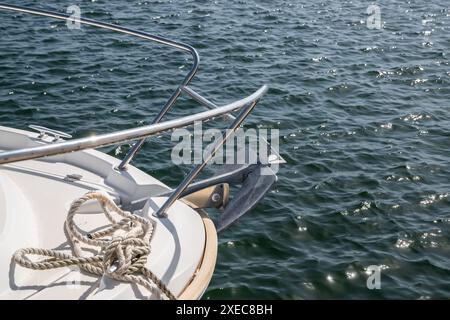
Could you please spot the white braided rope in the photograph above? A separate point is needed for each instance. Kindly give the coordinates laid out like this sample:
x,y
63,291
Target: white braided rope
x,y
122,258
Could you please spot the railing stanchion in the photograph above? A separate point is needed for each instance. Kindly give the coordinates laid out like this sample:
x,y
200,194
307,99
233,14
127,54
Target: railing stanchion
x,y
162,212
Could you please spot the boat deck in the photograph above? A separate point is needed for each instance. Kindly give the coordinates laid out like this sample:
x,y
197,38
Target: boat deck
x,y
35,196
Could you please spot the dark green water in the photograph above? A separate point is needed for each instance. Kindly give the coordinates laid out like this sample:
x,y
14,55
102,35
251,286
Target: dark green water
x,y
364,116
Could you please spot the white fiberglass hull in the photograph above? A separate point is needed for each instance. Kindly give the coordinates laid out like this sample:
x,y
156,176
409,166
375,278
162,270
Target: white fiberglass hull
x,y
35,196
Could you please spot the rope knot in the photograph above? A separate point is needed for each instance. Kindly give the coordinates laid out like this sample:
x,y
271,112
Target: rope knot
x,y
125,255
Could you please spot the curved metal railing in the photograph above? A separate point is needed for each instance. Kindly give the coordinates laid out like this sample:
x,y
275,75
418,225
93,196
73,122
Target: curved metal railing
x,y
147,36
127,135
182,88
245,106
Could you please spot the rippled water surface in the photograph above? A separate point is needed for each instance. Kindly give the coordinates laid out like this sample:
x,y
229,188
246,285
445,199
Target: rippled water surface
x,y
364,116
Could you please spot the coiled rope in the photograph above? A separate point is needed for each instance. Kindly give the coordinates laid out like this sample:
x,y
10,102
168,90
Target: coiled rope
x,y
122,258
